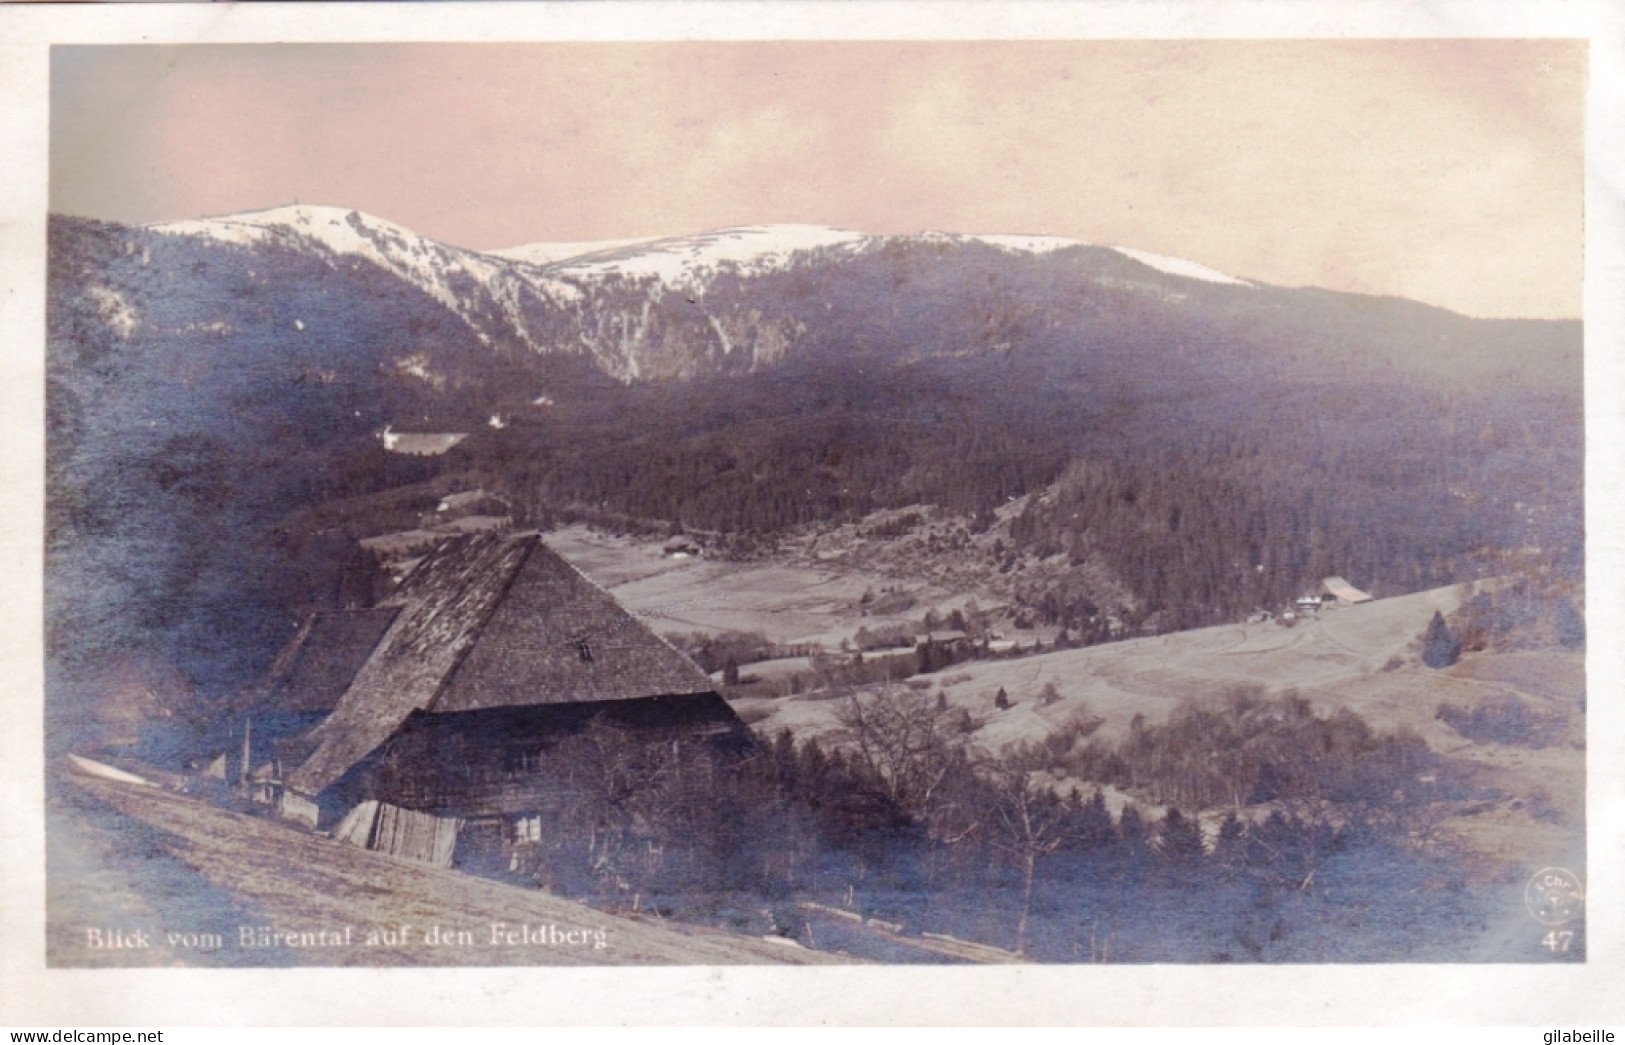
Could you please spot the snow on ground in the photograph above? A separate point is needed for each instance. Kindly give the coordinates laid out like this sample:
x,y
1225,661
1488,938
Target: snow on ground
x,y
552,253
435,267
341,230
1179,267
560,273
225,230
1029,244
678,261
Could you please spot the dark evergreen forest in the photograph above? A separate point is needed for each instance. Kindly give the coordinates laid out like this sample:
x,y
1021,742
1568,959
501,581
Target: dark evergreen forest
x,y
1216,447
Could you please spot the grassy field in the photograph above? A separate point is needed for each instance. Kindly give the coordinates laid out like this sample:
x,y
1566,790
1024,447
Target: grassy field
x,y
1364,658
1319,658
139,864
790,601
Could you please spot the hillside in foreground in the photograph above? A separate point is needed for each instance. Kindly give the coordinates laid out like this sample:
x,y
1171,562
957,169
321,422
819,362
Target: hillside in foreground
x,y
1487,801
128,859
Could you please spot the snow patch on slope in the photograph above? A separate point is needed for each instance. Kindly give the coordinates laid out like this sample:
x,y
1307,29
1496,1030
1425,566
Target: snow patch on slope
x,y
442,271
495,292
115,310
224,230
553,253
1029,244
682,262
1179,267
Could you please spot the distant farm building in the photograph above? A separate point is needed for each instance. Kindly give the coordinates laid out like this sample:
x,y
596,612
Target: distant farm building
x,y
1343,590
469,502
420,444
425,724
680,546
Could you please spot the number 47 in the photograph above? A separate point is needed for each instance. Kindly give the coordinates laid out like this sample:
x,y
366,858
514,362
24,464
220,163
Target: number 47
x,y
1555,941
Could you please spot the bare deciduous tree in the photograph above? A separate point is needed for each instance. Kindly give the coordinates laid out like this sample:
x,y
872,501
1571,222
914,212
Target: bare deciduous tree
x,y
1028,821
906,741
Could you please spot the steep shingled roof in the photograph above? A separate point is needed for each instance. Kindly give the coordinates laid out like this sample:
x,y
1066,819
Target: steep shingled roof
x,y
315,669
492,621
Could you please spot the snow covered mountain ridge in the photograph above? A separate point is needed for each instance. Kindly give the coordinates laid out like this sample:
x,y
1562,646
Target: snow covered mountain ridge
x,y
675,260
682,262
448,274
594,298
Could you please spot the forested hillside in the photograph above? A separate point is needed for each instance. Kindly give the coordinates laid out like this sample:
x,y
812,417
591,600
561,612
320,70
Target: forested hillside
x,y
1214,446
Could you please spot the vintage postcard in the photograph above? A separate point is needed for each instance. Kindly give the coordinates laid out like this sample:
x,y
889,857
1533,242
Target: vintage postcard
x,y
1068,497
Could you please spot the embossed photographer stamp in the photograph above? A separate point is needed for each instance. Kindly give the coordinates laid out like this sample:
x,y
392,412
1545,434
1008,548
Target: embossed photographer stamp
x,y
1554,896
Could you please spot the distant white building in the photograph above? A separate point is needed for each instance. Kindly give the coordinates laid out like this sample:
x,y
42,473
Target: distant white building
x,y
420,444
680,546
469,502
1344,591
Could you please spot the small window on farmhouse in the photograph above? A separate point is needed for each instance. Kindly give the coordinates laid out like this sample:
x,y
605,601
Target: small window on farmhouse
x,y
522,759
527,829
584,650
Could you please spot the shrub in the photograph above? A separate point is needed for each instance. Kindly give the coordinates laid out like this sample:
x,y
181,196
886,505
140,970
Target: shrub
x,y
1505,720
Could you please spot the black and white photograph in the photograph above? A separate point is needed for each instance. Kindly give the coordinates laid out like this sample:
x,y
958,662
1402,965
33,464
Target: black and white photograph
x,y
904,502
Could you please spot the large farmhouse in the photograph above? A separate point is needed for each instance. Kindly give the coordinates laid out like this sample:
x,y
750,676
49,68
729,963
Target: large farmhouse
x,y
402,726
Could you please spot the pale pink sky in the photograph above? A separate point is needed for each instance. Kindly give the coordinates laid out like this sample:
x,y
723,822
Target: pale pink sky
x,y
1447,171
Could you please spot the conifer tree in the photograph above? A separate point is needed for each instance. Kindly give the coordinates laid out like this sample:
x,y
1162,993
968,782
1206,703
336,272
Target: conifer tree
x,y
1095,822
1181,839
1440,647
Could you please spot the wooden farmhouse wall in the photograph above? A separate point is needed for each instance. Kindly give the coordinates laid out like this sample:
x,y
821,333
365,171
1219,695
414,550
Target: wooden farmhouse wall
x,y
507,761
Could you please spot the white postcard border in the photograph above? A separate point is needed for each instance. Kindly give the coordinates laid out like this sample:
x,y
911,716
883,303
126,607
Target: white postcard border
x,y
1178,995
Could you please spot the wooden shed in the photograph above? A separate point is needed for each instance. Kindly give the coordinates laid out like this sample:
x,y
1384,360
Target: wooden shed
x,y
401,723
